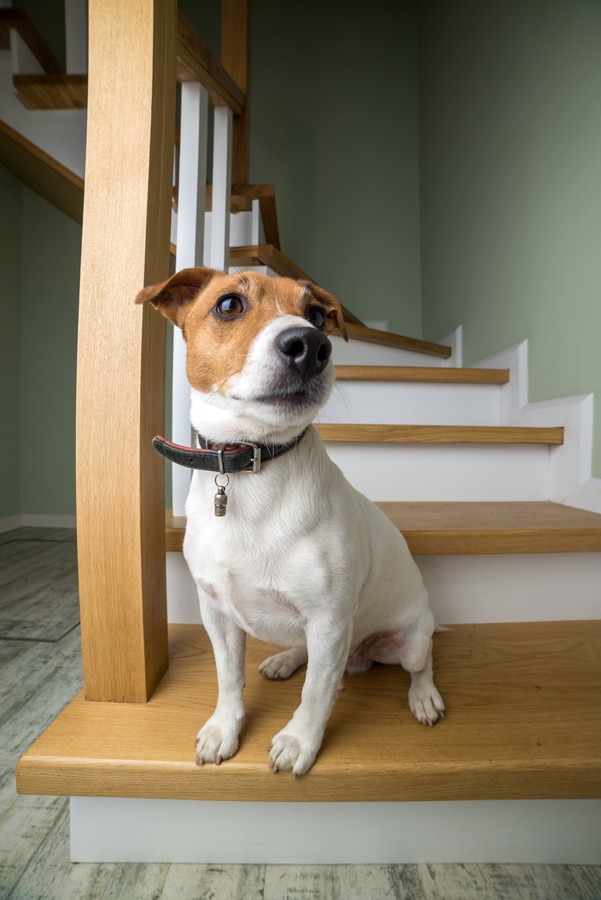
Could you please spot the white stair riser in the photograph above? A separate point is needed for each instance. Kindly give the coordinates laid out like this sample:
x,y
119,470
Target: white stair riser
x,y
115,829
360,353
390,403
445,472
527,587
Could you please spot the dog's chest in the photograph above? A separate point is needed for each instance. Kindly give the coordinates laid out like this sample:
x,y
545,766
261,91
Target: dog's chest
x,y
255,576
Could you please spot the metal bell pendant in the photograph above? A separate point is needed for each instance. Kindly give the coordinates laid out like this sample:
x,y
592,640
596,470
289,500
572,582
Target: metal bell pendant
x,y
220,501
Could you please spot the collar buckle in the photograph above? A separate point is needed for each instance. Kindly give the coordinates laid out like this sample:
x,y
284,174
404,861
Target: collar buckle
x,y
255,462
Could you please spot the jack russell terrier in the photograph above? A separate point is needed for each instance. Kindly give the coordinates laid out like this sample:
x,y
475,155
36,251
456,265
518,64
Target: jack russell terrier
x,y
285,550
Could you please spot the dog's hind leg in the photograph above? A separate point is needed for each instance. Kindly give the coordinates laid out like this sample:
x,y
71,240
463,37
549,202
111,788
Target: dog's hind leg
x,y
412,648
284,664
425,702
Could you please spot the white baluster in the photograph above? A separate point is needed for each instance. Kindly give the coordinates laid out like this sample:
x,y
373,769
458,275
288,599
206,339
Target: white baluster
x,y
256,235
220,215
190,239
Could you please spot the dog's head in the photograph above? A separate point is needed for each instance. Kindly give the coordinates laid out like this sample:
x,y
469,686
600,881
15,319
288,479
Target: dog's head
x,y
258,355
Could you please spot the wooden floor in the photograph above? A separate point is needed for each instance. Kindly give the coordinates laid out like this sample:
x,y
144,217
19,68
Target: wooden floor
x,y
39,676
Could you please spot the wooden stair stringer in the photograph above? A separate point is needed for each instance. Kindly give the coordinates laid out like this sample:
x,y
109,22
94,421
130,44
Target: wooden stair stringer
x,y
41,172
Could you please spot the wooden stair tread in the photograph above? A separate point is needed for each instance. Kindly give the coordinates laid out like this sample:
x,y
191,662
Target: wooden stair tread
x,y
523,721
439,434
438,529
489,527
55,91
429,374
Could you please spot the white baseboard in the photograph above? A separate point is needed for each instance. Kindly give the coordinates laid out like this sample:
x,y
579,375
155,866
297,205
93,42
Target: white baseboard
x,y
8,523
44,521
114,829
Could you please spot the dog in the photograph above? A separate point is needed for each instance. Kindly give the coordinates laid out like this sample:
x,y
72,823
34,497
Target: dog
x,y
295,555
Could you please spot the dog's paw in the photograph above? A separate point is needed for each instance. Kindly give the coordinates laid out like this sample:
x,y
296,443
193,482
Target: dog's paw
x,y
426,704
284,664
288,752
216,741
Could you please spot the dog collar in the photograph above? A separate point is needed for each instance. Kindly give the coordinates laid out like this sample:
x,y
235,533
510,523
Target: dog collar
x,y
237,456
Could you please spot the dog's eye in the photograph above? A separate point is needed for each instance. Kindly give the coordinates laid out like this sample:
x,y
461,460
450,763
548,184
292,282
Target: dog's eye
x,y
230,306
316,316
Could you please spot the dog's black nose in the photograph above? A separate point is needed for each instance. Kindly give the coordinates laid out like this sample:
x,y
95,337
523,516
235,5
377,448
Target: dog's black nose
x,y
305,350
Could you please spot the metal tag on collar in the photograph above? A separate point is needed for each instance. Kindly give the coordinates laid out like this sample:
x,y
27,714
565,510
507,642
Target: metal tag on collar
x,y
220,499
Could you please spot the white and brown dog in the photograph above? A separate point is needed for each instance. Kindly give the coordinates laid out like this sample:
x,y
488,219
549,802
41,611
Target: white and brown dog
x,y
301,559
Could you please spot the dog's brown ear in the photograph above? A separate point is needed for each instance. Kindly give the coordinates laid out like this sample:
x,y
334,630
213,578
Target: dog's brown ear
x,y
334,311
172,297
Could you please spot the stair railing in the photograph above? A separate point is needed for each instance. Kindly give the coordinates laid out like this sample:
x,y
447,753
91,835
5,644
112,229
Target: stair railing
x,y
137,50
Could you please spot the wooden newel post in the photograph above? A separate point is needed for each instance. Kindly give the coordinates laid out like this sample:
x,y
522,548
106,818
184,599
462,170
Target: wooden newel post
x,y
121,350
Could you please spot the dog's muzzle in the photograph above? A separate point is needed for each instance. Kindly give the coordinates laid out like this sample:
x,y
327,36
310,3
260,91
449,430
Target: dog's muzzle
x,y
305,351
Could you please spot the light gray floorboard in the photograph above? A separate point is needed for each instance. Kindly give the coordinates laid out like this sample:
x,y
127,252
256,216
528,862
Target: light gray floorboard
x,y
37,679
38,589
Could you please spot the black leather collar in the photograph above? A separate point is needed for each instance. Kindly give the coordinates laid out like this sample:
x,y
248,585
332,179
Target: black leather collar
x,y
241,456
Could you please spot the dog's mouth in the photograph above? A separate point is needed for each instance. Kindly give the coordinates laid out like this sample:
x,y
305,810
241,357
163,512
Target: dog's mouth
x,y
284,401
296,398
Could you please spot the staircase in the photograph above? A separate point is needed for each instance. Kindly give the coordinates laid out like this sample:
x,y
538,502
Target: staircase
x,y
477,479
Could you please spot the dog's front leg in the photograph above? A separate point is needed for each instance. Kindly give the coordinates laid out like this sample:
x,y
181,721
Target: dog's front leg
x,y
296,746
218,738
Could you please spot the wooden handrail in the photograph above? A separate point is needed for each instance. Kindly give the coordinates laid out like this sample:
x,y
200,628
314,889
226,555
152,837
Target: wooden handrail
x,y
18,20
195,62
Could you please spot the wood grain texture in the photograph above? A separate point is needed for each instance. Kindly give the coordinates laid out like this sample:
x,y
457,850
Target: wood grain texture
x,y
510,527
440,434
43,604
266,255
418,374
19,21
434,529
41,172
388,339
517,696
235,57
52,91
36,679
121,349
195,62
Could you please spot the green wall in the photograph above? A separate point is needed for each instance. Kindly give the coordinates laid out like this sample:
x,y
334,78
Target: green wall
x,y
510,157
39,261
491,219
10,328
50,251
334,127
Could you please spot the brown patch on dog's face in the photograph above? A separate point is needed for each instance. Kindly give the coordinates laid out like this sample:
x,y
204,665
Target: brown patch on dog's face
x,y
221,315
